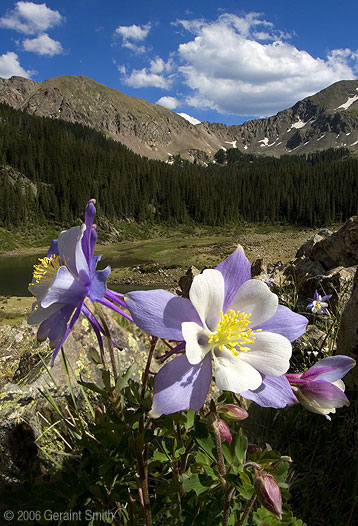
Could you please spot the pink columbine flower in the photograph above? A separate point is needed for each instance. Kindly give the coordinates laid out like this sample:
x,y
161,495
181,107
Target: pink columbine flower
x,y
320,388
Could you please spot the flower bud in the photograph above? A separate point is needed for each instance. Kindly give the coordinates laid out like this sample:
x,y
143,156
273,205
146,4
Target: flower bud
x,y
223,430
254,449
268,492
233,412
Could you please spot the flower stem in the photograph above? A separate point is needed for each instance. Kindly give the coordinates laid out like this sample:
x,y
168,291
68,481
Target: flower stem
x,y
247,510
142,450
109,340
222,472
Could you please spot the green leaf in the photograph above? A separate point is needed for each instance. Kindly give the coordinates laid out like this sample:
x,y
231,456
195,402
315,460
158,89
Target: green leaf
x,y
106,378
94,355
122,381
239,446
157,455
93,387
193,483
202,458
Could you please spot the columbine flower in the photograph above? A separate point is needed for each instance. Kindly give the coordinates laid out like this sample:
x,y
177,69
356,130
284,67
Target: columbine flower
x,y
64,279
319,304
268,492
230,319
268,279
320,388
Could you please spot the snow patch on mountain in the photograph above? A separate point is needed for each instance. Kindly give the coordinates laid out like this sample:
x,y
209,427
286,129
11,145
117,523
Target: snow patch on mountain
x,y
189,118
348,103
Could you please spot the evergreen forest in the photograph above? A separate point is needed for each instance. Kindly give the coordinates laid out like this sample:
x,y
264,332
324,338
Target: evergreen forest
x,y
50,168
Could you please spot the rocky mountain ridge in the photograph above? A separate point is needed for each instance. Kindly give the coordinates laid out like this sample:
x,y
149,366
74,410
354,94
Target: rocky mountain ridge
x,y
325,120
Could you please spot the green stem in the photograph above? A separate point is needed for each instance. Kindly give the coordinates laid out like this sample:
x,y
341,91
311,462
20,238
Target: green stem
x,y
222,472
109,340
248,510
142,451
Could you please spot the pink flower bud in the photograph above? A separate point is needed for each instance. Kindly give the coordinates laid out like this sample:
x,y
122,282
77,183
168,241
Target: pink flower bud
x,y
268,492
224,430
233,411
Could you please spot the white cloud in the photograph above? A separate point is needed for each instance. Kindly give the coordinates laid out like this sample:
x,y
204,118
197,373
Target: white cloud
x,y
133,33
189,118
228,70
10,66
142,78
168,102
157,75
30,18
43,45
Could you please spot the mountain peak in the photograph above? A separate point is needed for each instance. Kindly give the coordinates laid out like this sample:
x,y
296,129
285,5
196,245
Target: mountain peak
x,y
324,120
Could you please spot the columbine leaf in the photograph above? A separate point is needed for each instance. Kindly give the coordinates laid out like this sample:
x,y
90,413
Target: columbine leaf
x,y
239,446
122,381
193,483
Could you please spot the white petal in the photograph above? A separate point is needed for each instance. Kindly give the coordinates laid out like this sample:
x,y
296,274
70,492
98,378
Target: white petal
x,y
255,297
196,339
207,296
340,385
232,374
270,353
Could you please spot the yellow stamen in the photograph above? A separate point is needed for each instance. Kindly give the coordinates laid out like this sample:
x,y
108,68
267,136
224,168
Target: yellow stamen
x,y
46,270
232,332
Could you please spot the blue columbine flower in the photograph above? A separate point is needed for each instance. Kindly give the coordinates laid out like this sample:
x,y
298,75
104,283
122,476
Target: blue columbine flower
x,y
319,304
230,319
320,388
268,279
65,279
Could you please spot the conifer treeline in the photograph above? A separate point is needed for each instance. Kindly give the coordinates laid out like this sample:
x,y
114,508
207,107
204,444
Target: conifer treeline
x,y
65,164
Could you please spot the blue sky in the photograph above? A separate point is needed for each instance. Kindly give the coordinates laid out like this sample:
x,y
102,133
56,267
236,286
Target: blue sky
x,y
225,61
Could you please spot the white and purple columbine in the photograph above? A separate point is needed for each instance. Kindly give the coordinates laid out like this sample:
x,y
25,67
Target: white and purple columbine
x,y
320,388
319,304
64,279
230,319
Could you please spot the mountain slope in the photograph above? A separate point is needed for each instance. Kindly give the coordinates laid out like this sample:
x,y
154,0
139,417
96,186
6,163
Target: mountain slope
x,y
328,119
325,120
148,129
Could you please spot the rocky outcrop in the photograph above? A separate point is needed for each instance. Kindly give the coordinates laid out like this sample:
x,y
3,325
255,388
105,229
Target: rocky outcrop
x,y
29,425
347,341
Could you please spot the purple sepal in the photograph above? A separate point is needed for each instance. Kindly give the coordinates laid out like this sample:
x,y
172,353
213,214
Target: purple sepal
x,y
68,330
324,394
179,386
53,250
87,247
331,368
54,327
326,298
160,313
236,269
98,284
273,392
286,323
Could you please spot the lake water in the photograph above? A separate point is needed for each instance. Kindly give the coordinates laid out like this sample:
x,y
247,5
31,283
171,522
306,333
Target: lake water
x,y
16,272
